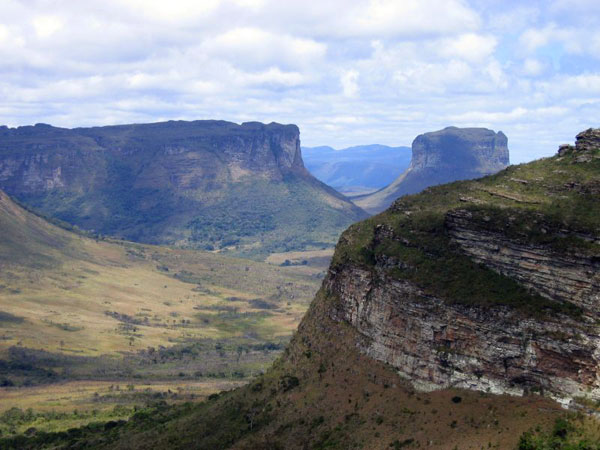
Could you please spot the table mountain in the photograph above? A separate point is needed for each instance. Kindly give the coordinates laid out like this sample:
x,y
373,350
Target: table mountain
x,y
441,157
461,317
201,184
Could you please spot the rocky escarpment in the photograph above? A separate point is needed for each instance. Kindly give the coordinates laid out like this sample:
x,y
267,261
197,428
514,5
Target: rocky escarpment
x,y
41,157
206,184
563,276
440,157
492,285
437,345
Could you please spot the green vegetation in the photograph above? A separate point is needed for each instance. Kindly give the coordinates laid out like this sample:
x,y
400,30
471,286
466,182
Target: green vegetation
x,y
566,434
552,202
282,215
81,312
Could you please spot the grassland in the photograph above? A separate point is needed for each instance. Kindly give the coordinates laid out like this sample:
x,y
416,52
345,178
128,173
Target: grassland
x,y
108,311
324,394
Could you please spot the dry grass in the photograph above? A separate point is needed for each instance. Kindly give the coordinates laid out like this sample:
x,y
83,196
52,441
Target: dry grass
x,y
65,307
84,395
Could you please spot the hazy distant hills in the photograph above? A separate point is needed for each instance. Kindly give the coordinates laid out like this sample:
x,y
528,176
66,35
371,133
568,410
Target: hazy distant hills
x,y
356,169
201,184
440,157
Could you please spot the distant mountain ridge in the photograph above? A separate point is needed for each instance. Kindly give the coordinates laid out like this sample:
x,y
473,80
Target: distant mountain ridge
x,y
441,157
202,184
357,168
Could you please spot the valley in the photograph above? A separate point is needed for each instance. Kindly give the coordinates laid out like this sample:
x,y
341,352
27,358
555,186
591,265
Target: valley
x,y
420,336
97,313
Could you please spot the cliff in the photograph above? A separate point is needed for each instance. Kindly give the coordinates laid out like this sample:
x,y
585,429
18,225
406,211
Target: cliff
x,y
441,157
491,285
202,184
461,317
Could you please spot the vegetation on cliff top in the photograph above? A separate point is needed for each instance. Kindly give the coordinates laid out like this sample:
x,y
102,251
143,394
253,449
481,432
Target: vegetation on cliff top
x,y
552,202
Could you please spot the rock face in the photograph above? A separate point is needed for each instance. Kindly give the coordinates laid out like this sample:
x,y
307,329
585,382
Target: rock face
x,y
530,233
571,277
195,184
40,158
440,157
438,345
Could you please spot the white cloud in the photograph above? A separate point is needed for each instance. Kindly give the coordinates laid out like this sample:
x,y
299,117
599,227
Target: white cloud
x,y
349,80
532,67
346,71
46,26
253,47
392,17
469,46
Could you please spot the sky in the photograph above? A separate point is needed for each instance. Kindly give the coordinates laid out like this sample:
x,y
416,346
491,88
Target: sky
x,y
346,72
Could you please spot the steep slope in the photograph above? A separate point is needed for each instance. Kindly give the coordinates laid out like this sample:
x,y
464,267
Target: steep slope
x,y
356,169
441,157
65,294
489,285
202,184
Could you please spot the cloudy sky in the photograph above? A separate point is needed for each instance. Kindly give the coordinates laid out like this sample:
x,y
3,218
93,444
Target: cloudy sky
x,y
347,72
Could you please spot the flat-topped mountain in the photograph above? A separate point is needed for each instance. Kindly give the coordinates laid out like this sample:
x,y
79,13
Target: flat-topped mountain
x,y
455,319
201,184
440,157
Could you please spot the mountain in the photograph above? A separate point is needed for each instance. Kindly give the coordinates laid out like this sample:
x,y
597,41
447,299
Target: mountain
x,y
201,184
441,157
356,169
461,317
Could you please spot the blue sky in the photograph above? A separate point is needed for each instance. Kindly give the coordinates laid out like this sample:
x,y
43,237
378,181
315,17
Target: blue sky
x,y
347,72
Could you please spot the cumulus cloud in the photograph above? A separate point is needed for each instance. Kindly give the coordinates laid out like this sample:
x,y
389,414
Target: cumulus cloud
x,y
349,80
346,71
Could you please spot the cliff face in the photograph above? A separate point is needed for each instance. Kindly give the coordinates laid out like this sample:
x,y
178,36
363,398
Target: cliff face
x,y
567,277
476,150
42,157
206,184
443,156
491,285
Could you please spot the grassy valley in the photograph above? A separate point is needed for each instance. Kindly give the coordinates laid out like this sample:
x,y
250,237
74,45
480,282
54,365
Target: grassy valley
x,y
96,325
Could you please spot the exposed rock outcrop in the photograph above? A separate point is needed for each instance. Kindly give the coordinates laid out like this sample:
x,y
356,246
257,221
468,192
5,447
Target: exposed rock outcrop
x,y
566,276
204,184
491,285
437,345
440,157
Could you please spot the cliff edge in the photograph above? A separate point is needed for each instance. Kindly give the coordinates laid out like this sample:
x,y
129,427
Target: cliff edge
x,y
204,184
441,157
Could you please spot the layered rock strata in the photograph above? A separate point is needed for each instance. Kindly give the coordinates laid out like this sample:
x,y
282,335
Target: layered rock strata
x,y
530,235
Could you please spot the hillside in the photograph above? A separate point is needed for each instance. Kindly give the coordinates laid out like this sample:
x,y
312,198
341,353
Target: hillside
x,y
450,321
202,184
89,314
441,157
358,169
